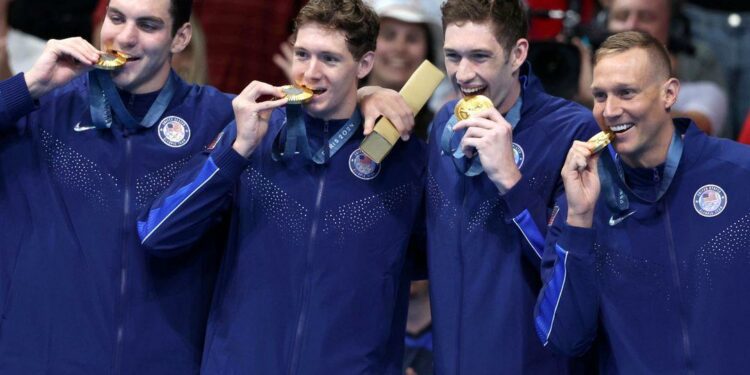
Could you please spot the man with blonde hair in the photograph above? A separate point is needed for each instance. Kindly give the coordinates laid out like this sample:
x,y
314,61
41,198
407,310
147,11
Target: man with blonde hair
x,y
649,253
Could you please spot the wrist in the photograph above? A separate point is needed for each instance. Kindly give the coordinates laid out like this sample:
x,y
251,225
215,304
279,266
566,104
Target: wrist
x,y
243,148
36,89
505,182
580,220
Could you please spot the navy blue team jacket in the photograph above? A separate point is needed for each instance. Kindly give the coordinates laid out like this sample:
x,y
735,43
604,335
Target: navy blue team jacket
x,y
314,280
664,288
485,249
78,293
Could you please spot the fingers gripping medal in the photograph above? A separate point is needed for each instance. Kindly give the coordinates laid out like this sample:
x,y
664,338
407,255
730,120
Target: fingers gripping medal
x,y
471,105
600,141
111,60
297,94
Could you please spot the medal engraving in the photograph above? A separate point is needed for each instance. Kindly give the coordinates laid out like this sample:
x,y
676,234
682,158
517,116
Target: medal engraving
x,y
297,94
599,141
471,105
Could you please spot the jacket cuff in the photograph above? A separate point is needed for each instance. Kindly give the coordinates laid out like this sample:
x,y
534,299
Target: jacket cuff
x,y
577,240
16,97
230,163
518,198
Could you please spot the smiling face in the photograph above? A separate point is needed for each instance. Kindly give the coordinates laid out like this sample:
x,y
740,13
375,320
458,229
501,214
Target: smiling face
x,y
142,30
402,46
632,98
323,63
478,64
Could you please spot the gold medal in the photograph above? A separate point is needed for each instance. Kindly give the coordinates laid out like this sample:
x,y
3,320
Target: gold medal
x,y
600,140
471,105
297,94
111,60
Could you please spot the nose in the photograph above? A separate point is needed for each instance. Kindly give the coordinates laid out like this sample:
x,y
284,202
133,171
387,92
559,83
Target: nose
x,y
127,37
612,108
633,22
400,44
464,72
312,71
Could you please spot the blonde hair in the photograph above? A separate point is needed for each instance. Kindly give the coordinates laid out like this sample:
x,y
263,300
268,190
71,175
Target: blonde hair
x,y
627,40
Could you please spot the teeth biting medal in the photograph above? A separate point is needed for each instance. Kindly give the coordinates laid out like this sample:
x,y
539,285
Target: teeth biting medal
x,y
111,60
471,105
297,94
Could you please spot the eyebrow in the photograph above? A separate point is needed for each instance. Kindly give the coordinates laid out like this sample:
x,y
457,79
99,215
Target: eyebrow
x,y
139,19
478,50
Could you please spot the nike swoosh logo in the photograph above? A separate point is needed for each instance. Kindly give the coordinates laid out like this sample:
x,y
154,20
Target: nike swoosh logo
x,y
80,128
614,221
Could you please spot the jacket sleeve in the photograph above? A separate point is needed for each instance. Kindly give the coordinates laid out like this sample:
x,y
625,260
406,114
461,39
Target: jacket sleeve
x,y
567,310
195,200
15,103
528,212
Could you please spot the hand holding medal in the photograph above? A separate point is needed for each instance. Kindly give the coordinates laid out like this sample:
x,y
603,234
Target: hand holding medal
x,y
251,116
580,175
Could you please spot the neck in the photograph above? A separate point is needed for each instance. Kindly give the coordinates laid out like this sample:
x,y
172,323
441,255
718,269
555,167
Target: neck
x,y
157,83
511,98
654,154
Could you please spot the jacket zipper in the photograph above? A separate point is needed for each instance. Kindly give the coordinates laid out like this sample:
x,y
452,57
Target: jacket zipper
x,y
123,251
307,285
678,288
464,200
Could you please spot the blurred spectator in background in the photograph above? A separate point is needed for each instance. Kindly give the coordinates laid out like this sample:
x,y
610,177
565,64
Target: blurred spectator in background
x,y
18,50
702,96
53,19
724,25
410,33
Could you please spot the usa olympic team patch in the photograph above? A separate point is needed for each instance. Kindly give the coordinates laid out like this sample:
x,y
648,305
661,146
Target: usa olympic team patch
x,y
518,155
362,166
710,200
174,131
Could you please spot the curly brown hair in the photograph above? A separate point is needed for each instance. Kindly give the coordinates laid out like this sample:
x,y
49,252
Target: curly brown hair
x,y
355,19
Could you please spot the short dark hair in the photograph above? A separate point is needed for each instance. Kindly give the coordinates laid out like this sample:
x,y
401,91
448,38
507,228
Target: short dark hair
x,y
508,17
180,11
627,40
358,22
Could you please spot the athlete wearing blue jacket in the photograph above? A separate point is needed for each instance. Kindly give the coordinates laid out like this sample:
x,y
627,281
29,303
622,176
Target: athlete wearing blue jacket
x,y
78,293
486,217
314,280
651,262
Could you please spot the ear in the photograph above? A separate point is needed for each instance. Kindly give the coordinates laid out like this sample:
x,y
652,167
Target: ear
x,y
670,90
181,38
365,63
519,53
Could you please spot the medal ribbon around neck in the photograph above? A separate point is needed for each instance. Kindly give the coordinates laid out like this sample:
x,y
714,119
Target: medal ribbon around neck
x,y
293,138
612,176
450,142
104,100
